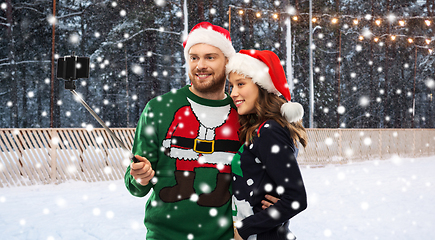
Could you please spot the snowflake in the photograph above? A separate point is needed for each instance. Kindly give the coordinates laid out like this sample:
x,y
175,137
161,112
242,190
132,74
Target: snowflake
x,y
205,188
268,187
194,197
274,213
275,149
223,222
364,101
238,224
250,182
45,211
364,205
367,141
280,189
295,205
341,109
160,3
327,233
213,212
22,222
329,141
137,69
341,176
110,214
107,170
112,187
430,83
71,169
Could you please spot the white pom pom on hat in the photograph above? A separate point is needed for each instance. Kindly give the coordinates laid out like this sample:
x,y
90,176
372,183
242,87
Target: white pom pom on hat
x,y
208,33
265,69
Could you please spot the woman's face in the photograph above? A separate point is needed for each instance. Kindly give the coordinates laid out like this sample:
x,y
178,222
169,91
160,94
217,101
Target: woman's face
x,y
244,93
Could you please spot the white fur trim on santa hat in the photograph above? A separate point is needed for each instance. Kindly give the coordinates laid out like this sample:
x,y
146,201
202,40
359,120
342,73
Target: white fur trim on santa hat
x,y
292,111
253,68
211,37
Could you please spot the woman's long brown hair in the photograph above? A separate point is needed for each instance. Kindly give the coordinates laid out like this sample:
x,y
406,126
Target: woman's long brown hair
x,y
268,106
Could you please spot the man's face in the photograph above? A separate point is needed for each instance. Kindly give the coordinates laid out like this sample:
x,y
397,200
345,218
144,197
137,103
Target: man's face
x,y
207,68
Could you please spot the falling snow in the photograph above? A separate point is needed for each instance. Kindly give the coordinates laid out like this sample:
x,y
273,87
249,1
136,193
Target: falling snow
x,y
378,199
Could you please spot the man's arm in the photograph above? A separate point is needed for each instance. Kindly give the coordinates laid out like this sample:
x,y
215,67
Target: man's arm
x,y
138,175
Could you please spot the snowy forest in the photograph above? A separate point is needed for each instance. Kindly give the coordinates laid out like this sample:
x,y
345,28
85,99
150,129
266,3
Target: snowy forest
x,y
373,60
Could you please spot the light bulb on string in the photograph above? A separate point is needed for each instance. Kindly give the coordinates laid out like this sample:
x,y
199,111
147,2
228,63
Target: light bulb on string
x,y
376,39
314,20
402,23
393,37
427,22
378,22
258,14
241,12
361,38
295,18
428,41
355,21
275,16
334,20
410,40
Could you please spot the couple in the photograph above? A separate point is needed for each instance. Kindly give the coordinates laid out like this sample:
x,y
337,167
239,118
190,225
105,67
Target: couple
x,y
193,142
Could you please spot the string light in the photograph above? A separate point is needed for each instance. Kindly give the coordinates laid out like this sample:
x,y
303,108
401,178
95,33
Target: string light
x,y
430,51
355,20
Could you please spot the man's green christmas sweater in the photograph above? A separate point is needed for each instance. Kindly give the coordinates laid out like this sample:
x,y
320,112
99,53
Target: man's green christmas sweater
x,y
190,142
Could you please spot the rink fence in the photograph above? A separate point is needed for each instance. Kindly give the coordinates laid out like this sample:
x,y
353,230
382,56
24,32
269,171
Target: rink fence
x,y
54,155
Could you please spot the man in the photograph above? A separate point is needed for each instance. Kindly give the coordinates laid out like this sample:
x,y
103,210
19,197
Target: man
x,y
185,141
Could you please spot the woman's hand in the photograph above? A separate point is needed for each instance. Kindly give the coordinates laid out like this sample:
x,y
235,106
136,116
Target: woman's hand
x,y
236,235
269,202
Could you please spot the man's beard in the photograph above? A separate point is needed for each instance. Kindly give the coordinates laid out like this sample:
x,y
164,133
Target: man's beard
x,y
213,86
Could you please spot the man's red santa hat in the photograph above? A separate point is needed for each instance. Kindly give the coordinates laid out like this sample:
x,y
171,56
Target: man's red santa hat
x,y
208,33
265,69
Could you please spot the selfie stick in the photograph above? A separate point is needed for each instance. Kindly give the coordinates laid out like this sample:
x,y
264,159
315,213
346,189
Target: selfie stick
x,y
69,84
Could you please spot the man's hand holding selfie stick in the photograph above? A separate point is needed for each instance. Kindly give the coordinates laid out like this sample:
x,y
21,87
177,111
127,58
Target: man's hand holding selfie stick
x,y
142,170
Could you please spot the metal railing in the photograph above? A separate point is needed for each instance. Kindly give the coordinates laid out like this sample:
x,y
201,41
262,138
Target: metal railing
x,y
56,155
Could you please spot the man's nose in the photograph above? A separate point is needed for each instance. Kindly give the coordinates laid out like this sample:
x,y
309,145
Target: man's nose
x,y
201,65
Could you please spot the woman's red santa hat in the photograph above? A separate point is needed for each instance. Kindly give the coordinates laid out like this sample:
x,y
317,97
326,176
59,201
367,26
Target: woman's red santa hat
x,y
265,69
210,34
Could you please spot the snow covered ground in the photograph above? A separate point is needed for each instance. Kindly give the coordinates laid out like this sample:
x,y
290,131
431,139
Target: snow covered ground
x,y
379,199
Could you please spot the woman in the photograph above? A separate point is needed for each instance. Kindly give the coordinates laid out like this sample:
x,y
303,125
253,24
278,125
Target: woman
x,y
266,163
